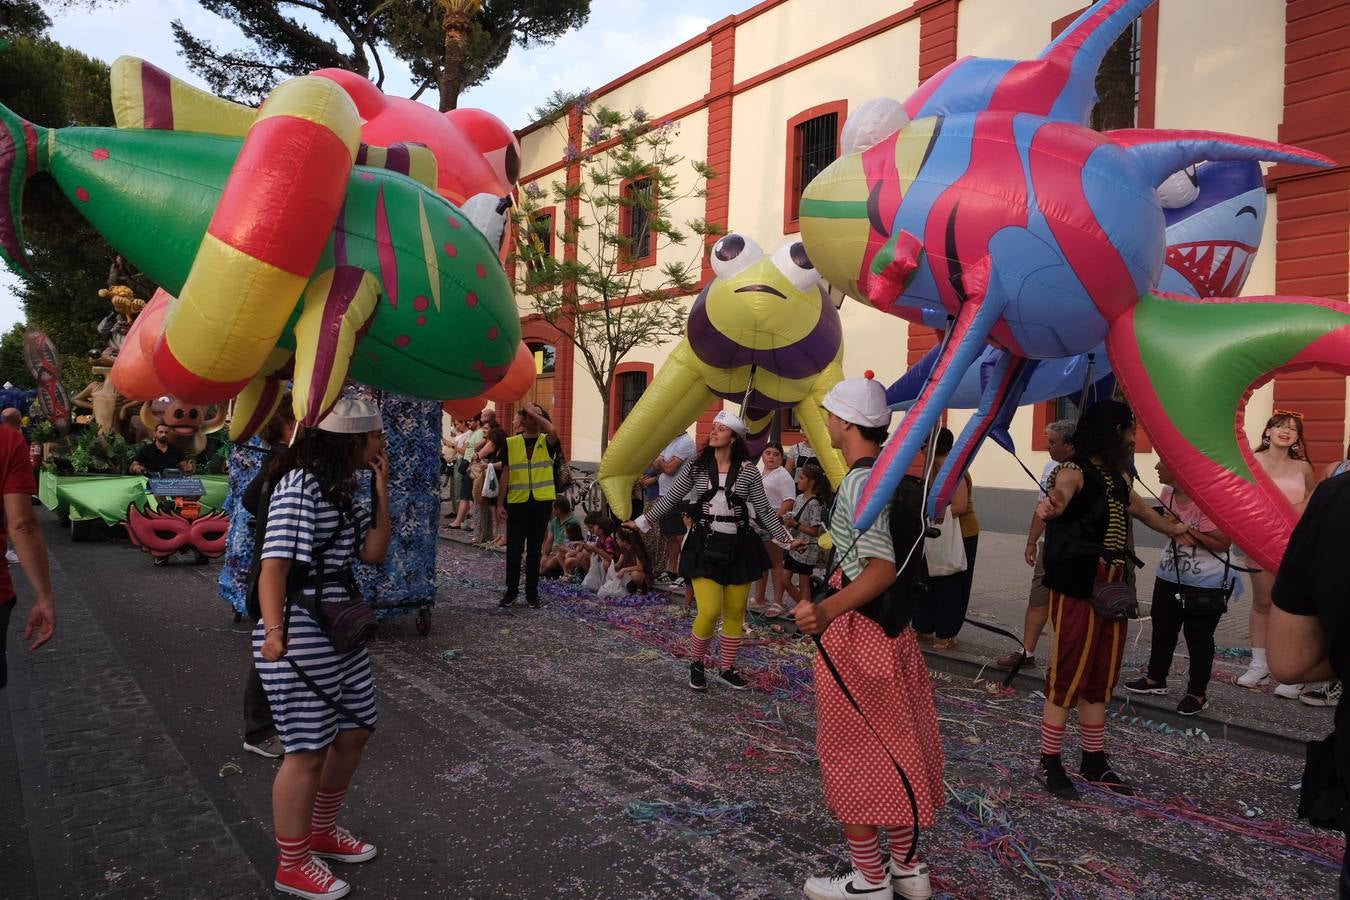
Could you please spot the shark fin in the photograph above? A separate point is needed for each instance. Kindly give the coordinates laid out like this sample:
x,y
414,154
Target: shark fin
x,y
145,96
337,310
1162,152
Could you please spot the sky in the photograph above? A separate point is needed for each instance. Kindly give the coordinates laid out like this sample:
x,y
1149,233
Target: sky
x,y
620,35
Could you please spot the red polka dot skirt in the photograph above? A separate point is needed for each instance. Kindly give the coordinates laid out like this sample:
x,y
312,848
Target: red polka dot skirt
x,y
889,680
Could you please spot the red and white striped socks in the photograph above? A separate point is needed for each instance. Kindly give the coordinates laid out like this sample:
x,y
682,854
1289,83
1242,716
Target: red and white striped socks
x,y
1052,739
729,647
866,853
292,853
1094,737
326,807
901,838
698,650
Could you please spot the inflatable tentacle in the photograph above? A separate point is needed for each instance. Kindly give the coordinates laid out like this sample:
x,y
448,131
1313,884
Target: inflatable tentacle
x,y
974,321
1188,367
145,96
1001,393
670,405
274,218
338,307
812,417
257,403
1163,152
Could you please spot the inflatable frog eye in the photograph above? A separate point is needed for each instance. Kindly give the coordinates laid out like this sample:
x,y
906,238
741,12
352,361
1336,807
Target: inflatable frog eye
x,y
1180,189
734,253
792,261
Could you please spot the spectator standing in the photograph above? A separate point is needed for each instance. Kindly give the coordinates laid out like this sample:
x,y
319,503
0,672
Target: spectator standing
x,y
678,452
1282,454
1190,593
939,614
1057,442
781,491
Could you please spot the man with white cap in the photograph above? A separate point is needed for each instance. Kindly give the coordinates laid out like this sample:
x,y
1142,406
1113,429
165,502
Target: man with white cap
x,y
722,554
873,660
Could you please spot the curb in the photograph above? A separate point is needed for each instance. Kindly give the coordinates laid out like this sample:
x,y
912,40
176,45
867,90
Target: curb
x,y
1217,728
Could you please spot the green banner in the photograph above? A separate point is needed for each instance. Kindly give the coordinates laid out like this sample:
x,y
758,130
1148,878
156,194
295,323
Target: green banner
x,y
106,497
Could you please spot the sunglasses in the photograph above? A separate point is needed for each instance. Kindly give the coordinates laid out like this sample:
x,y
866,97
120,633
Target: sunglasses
x,y
1286,414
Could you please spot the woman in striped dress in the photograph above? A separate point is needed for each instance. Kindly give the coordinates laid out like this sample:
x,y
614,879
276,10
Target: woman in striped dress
x,y
722,555
311,513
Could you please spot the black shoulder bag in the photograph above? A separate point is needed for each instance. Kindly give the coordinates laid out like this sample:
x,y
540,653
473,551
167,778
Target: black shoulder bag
x,y
1202,601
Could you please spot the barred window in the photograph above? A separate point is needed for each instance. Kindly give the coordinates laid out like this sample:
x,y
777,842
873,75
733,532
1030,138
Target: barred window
x,y
637,219
815,145
539,246
1118,83
631,386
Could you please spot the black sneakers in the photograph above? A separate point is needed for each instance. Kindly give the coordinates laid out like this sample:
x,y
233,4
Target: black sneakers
x,y
506,601
1189,706
532,602
733,679
698,678
1142,685
1056,779
1097,769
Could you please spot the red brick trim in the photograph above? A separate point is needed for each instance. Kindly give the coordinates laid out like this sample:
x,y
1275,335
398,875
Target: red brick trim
x,y
535,329
791,188
625,262
717,203
622,368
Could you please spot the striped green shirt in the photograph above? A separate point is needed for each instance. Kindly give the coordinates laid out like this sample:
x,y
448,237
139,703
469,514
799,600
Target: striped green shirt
x,y
874,543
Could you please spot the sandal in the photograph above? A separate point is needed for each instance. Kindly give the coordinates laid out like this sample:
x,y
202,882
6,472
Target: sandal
x,y
772,611
944,643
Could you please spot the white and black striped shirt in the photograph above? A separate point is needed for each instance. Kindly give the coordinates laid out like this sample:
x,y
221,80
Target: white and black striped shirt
x,y
300,518
749,486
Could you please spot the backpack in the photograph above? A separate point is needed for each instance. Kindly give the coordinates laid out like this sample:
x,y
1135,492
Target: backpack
x,y
298,578
893,608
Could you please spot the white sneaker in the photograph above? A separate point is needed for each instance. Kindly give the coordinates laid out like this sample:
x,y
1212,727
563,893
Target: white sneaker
x,y
12,557
911,883
1288,691
1254,675
268,749
844,887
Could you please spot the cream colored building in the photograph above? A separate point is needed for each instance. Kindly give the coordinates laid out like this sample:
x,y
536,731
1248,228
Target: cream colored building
x,y
746,89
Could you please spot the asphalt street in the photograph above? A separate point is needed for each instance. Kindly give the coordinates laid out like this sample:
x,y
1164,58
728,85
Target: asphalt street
x,y
557,753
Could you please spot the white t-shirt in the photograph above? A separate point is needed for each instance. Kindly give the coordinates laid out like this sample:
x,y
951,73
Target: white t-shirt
x,y
800,452
1046,473
682,447
779,487
1191,566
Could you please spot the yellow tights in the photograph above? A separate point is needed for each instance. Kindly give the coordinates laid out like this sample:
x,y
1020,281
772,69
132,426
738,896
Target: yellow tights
x,y
724,600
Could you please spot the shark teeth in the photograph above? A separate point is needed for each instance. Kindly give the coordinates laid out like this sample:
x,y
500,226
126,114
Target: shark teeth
x,y
1214,268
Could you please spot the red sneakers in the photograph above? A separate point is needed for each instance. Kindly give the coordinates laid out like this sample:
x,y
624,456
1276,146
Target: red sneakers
x,y
341,846
312,881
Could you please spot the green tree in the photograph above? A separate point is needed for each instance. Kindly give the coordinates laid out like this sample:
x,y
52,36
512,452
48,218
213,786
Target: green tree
x,y
450,45
13,368
20,18
53,85
600,301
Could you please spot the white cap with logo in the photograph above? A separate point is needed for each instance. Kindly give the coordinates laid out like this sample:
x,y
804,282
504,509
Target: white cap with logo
x,y
732,421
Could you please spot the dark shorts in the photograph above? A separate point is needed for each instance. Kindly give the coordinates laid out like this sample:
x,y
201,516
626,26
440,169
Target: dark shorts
x,y
672,524
797,568
6,608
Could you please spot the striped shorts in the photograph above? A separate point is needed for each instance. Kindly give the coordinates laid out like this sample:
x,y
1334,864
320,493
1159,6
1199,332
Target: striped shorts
x,y
1087,650
304,721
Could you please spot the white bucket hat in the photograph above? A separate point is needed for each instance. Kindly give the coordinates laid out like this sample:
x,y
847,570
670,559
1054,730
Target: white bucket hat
x,y
732,421
861,401
352,416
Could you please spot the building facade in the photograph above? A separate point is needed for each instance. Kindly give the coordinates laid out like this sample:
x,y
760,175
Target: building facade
x,y
762,96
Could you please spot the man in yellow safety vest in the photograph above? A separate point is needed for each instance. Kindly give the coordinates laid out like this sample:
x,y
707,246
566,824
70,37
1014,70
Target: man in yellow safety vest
x,y
526,500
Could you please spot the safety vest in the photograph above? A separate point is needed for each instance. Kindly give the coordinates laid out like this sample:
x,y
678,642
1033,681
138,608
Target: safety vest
x,y
530,479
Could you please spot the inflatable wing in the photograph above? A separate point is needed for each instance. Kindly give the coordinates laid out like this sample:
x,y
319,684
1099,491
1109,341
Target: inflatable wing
x,y
985,199
763,333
